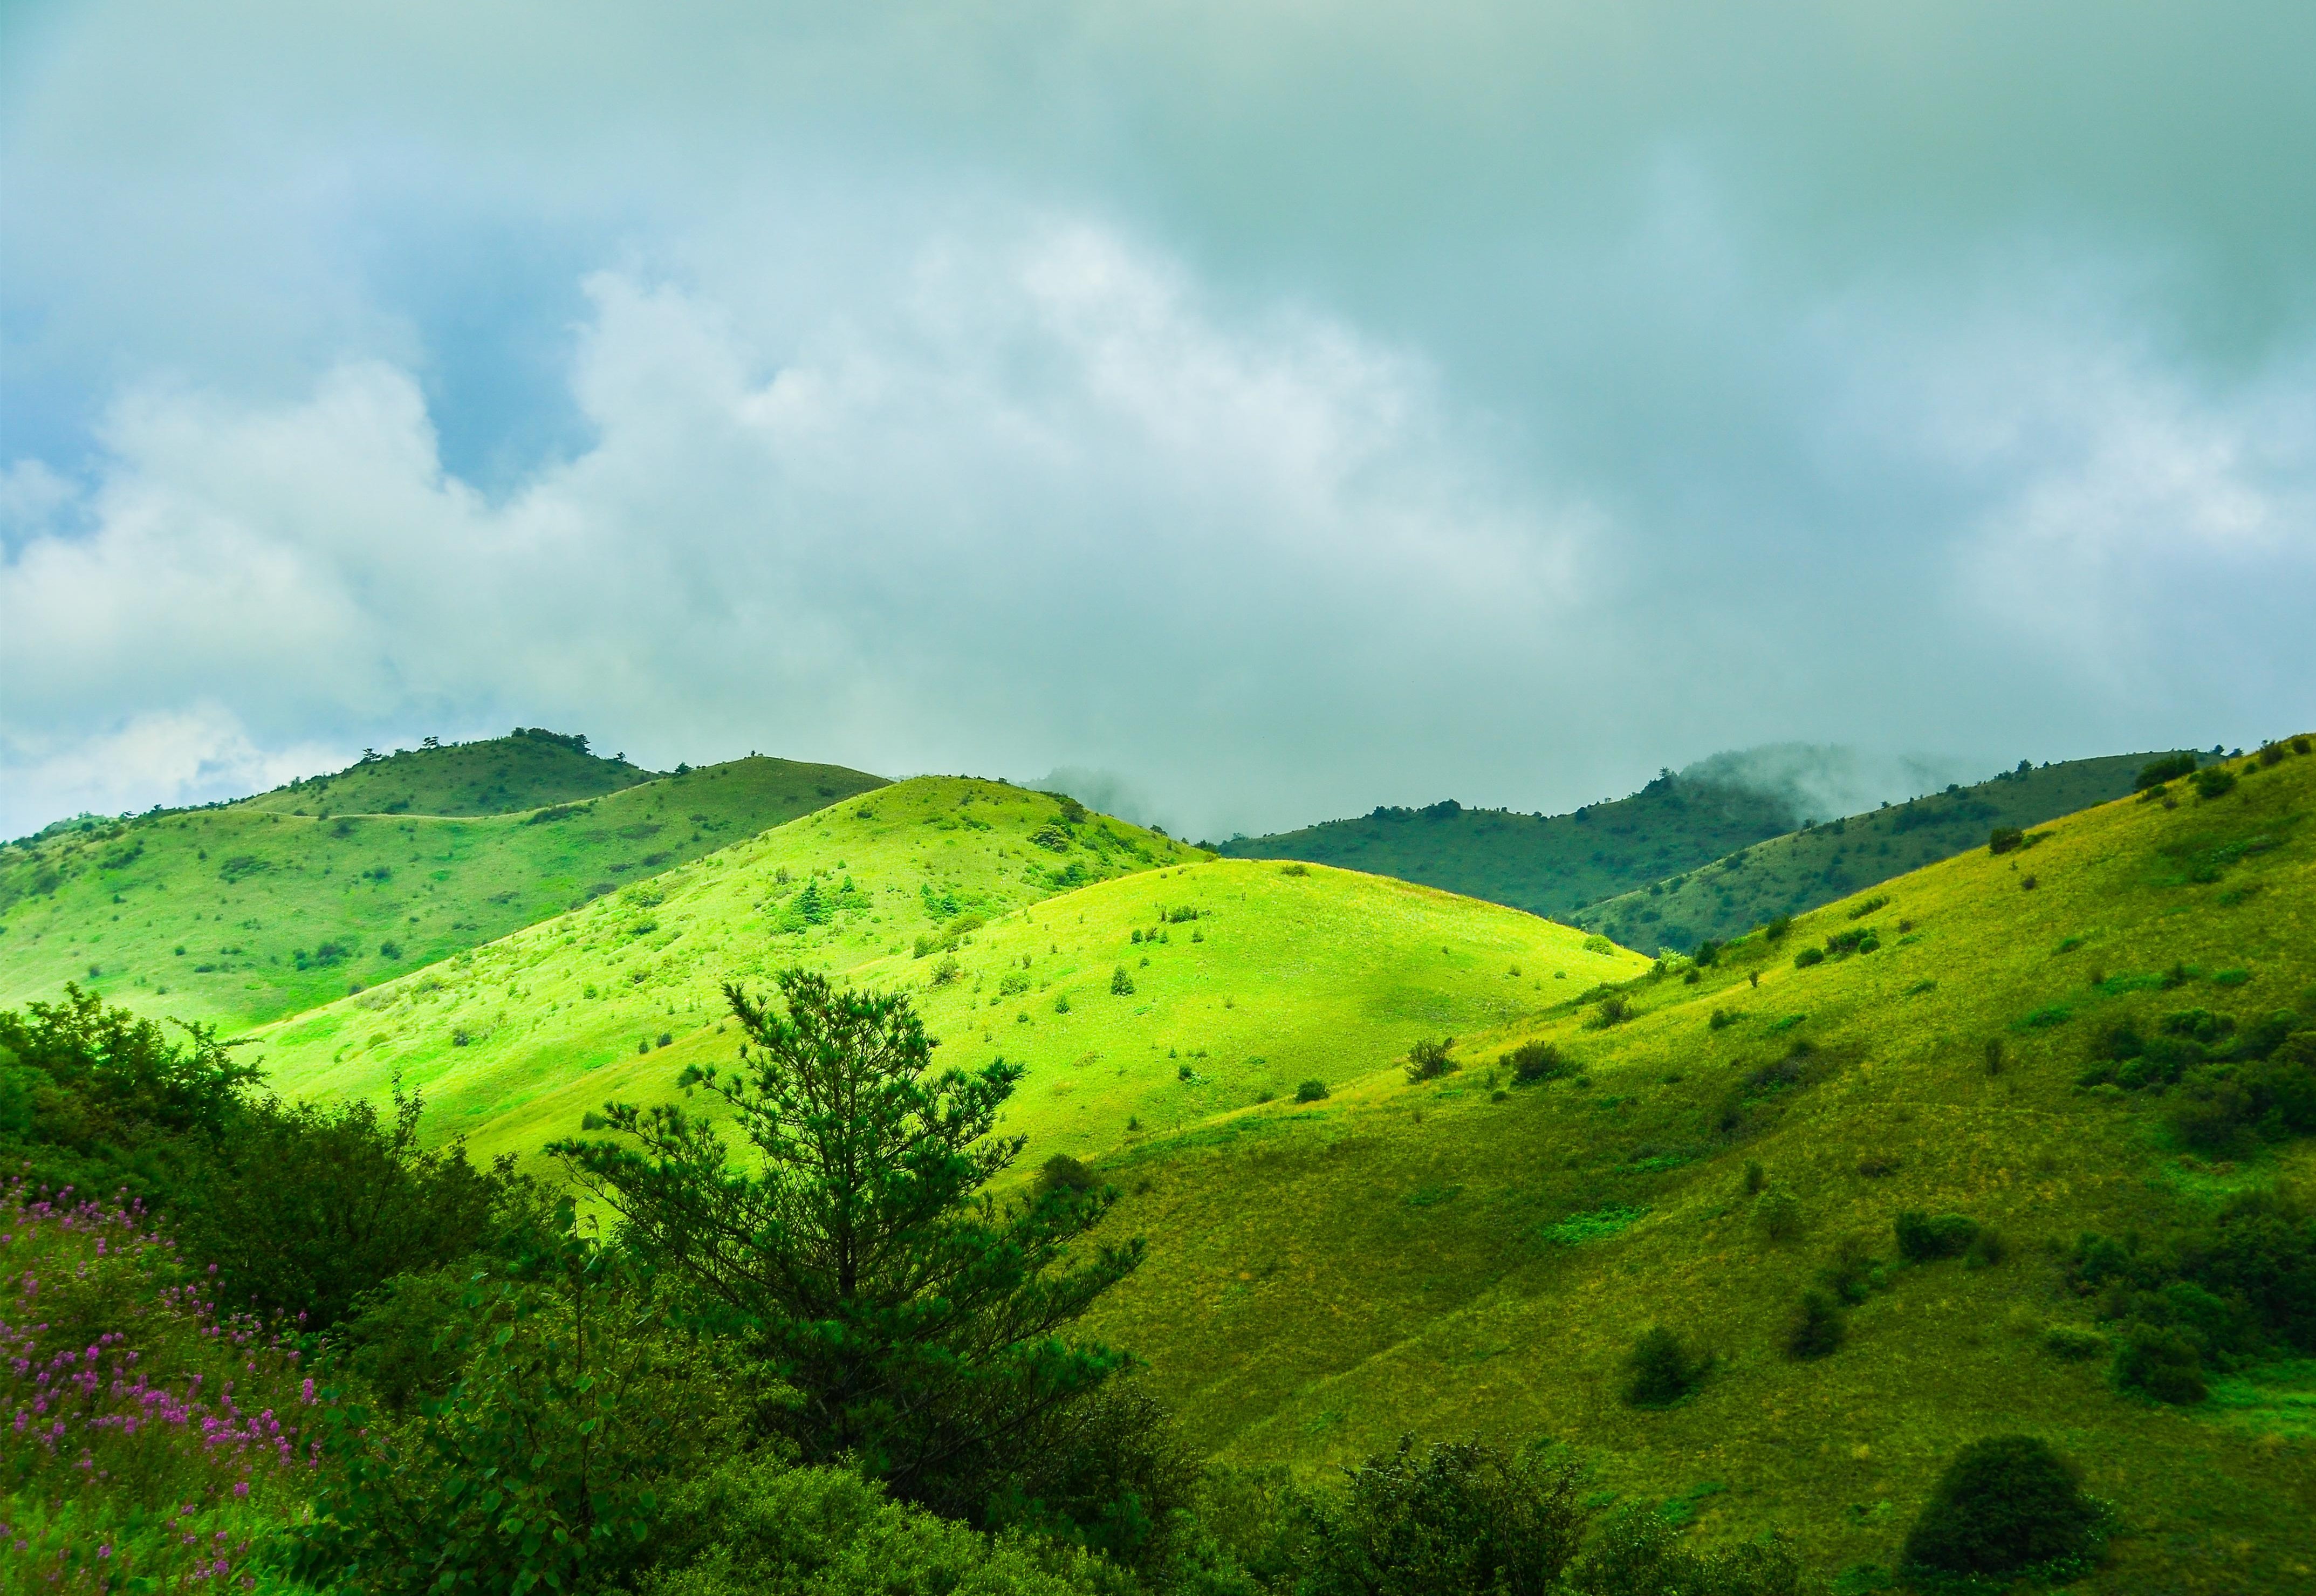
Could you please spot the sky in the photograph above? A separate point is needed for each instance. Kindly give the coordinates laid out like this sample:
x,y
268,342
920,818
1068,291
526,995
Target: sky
x,y
1267,409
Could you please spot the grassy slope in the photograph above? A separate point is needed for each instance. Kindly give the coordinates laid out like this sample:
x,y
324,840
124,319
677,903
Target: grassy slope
x,y
1546,865
495,776
241,890
1806,868
1281,978
1322,1279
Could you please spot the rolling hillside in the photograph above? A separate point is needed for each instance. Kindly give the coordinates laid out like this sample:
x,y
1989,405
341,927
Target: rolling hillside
x,y
1801,870
529,769
1245,979
241,914
1470,1256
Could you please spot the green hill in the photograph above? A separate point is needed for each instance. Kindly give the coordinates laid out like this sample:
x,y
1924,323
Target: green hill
x,y
240,914
1246,979
1467,1256
1801,870
1548,865
529,769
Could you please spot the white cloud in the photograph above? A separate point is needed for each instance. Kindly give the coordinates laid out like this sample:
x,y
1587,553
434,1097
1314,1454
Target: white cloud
x,y
1051,504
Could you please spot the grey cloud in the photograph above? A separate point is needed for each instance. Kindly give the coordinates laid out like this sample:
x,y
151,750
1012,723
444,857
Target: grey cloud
x,y
1296,409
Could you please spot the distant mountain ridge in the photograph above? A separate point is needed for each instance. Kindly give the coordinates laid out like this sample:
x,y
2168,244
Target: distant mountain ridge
x,y
1548,865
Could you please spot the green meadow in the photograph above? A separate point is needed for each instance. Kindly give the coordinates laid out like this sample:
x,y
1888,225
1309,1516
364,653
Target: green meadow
x,y
1469,1256
240,914
529,769
1011,915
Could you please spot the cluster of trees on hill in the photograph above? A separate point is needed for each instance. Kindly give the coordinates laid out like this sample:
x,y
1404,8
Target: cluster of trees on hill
x,y
285,1346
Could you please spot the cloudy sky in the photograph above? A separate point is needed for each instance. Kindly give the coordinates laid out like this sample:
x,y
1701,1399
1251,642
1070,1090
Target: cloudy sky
x,y
1281,408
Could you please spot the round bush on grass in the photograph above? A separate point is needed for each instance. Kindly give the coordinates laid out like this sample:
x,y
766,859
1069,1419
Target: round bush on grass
x,y
1660,1371
1818,1327
2004,1506
1310,1091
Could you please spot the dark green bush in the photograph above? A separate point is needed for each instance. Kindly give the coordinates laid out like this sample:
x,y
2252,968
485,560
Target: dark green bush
x,y
2073,1343
1755,1179
1534,1061
1428,1060
1853,1271
1923,1238
1779,1216
2004,1507
1660,1370
1818,1326
1121,984
2005,839
2162,770
1808,957
1065,1174
1986,1249
1640,1552
1310,1091
1450,1519
2217,781
2162,1363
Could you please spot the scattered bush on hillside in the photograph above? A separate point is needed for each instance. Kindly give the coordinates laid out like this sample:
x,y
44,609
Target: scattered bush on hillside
x,y
1923,1238
1428,1060
1779,1216
1534,1061
1641,1551
2215,782
1596,943
1988,1248
947,972
2161,1363
2007,1506
1723,1019
1817,1327
1660,1369
1755,1179
1064,1173
1853,1272
1310,1091
2073,1343
2005,839
1121,984
2162,770
1061,1003
1615,1009
1295,870
1808,957
1451,1519
1777,930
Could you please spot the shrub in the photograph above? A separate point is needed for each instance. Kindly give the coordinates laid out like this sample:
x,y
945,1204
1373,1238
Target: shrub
x,y
1808,957
1723,1019
1818,1326
1994,1056
1644,1553
1064,1173
1778,1215
1597,943
2006,1506
2073,1343
947,971
1061,1003
1295,870
2162,1363
2162,770
2004,839
1754,1177
1615,1009
1310,1091
1427,1061
1924,1239
1121,984
1986,1249
1534,1061
1456,1517
1853,1271
2215,782
1776,931
1660,1370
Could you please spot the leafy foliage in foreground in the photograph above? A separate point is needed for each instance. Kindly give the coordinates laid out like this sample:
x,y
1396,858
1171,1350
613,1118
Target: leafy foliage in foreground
x,y
920,1333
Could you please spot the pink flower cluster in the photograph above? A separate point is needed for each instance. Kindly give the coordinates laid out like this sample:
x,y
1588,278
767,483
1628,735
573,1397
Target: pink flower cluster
x,y
181,1389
